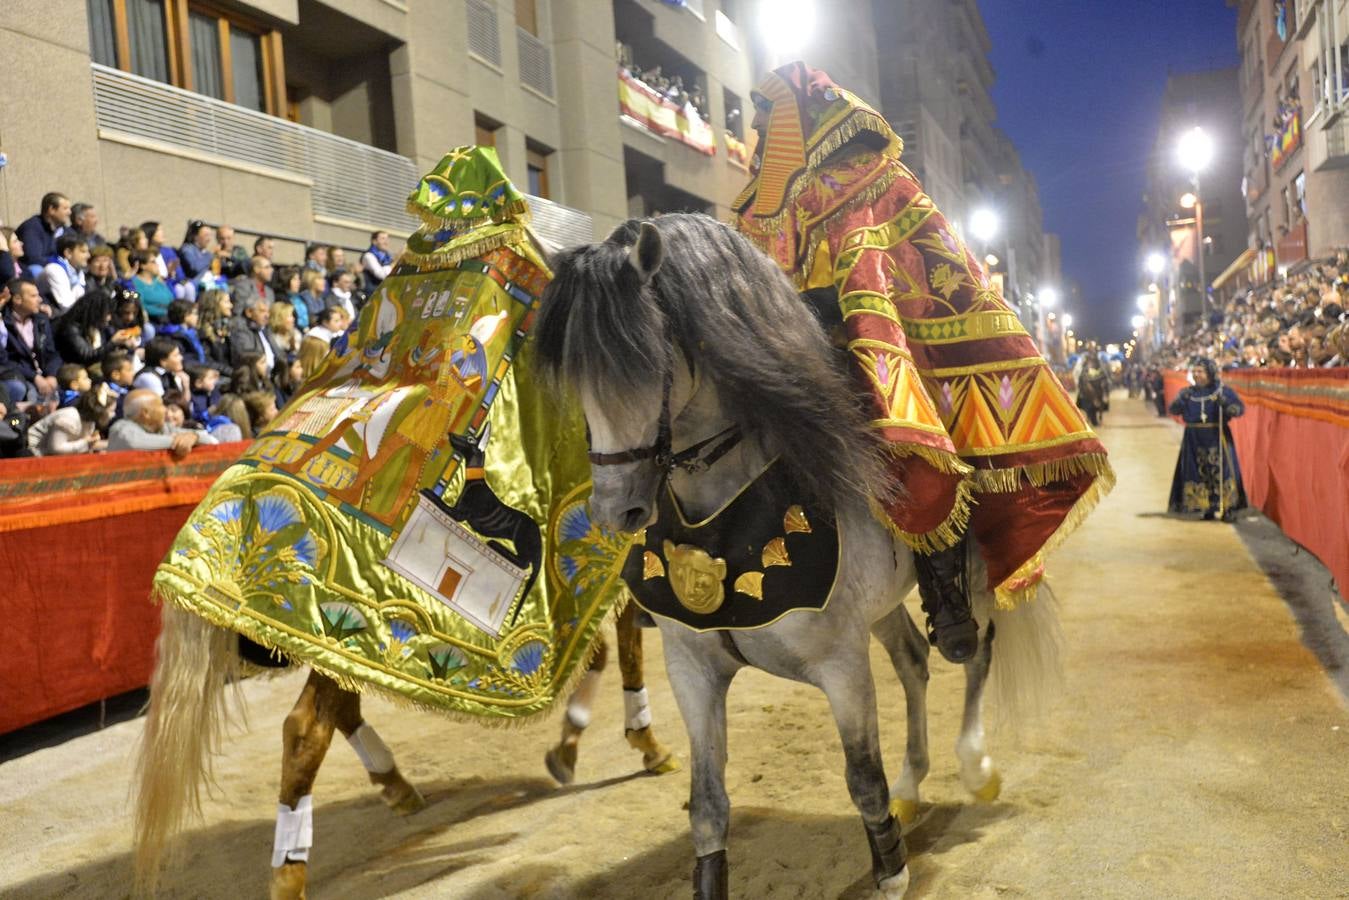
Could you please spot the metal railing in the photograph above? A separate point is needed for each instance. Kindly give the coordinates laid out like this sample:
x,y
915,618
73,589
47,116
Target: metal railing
x,y
351,180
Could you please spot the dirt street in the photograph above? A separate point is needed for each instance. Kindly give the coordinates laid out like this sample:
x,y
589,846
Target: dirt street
x,y
1197,750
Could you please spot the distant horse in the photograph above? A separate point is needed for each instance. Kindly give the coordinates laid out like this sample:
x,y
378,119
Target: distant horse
x,y
692,338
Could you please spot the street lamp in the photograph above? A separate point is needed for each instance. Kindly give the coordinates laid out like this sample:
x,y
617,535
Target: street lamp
x,y
1049,297
1137,322
1195,152
984,225
1155,264
1068,322
785,24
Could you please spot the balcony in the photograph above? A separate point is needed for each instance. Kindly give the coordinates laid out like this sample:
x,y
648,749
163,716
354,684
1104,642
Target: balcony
x,y
1286,140
351,182
1337,145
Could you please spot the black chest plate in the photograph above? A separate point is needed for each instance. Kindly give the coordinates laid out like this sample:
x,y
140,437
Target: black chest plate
x,y
759,557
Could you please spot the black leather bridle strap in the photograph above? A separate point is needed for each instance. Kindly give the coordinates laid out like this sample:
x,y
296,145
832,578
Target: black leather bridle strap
x,y
659,450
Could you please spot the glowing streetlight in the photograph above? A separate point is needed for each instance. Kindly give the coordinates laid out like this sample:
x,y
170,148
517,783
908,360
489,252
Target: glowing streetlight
x,y
1137,322
1195,150
1144,301
991,261
984,224
785,25
1189,200
1049,297
1155,264
1068,322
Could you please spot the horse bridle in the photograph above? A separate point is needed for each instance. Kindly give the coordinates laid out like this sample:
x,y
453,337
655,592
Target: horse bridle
x,y
696,458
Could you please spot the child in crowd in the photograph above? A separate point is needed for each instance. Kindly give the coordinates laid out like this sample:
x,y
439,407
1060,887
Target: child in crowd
x,y
176,410
250,375
261,406
119,372
74,381
182,328
73,429
128,328
288,380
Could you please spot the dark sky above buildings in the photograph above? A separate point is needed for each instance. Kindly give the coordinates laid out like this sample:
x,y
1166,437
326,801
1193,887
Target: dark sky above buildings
x,y
1079,91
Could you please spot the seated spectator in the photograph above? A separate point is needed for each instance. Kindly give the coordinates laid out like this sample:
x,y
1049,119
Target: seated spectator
x,y
205,397
288,286
261,406
170,266
337,260
74,381
119,374
341,292
154,292
132,241
233,259
11,249
163,368
74,428
264,247
182,330
102,271
196,253
251,375
13,388
142,427
313,288
281,326
40,231
129,329
377,262
316,258
249,334
287,382
61,281
319,339
30,345
214,314
84,218
233,408
177,411
258,283
81,334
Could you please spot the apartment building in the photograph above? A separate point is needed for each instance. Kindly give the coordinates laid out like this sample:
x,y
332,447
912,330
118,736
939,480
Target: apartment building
x,y
1295,97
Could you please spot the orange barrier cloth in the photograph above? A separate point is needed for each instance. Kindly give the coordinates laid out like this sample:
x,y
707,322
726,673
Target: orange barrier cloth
x,y
80,537
1293,444
1173,382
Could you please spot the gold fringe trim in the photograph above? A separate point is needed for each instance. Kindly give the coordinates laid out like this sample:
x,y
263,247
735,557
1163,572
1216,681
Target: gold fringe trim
x,y
470,250
859,121
249,629
1024,583
945,535
517,210
1009,480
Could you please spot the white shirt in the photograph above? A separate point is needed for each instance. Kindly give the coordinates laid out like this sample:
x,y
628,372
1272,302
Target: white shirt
x,y
54,281
374,266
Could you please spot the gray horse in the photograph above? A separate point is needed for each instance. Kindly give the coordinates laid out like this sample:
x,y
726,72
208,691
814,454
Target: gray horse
x,y
674,331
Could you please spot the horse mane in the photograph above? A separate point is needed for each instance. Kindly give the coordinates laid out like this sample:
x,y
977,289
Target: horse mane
x,y
740,322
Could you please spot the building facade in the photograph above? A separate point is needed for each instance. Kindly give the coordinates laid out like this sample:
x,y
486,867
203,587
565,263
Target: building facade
x,y
1295,97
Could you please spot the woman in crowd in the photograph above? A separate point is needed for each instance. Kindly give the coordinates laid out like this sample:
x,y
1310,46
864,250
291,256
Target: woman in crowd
x,y
287,380
287,285
75,428
284,333
102,273
1207,479
318,340
132,241
12,252
313,286
82,333
213,327
154,292
196,254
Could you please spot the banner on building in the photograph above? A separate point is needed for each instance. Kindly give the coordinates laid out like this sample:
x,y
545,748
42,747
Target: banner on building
x,y
641,103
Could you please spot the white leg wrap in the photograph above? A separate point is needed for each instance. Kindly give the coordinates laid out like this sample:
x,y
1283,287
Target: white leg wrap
x,y
578,707
294,832
372,750
638,712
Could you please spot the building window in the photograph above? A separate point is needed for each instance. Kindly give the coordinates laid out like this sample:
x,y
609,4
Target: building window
x,y
527,16
484,130
536,162
192,46
1300,196
735,114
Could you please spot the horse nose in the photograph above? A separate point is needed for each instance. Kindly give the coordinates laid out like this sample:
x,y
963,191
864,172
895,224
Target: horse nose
x,y
634,518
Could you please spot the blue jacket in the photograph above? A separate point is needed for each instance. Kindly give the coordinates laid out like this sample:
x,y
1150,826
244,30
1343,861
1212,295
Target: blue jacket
x,y
39,242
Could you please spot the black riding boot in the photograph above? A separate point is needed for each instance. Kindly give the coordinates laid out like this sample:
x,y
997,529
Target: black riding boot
x,y
943,585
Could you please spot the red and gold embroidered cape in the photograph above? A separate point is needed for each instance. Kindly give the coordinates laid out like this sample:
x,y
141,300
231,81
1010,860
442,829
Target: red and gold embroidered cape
x,y
983,434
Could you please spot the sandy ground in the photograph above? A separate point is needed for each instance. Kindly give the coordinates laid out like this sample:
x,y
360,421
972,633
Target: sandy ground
x,y
1197,750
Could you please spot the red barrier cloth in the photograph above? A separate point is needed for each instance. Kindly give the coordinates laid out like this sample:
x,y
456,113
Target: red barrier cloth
x,y
1173,382
80,538
1293,444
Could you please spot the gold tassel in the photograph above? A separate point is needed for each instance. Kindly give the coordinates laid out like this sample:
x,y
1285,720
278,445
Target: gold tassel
x,y
1009,480
471,250
517,210
859,121
945,535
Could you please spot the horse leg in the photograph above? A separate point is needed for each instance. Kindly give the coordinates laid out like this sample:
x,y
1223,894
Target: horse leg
x,y
561,760
307,732
656,757
396,791
852,698
700,677
976,769
908,651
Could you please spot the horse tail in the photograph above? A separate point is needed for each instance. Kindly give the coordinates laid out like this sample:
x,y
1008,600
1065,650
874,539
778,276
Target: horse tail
x,y
1027,664
185,725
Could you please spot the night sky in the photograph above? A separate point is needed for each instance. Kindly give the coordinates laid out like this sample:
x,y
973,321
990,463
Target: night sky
x,y
1079,91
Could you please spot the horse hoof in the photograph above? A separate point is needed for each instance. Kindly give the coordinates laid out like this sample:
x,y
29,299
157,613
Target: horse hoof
x,y
656,757
906,811
896,886
561,765
991,790
288,881
398,793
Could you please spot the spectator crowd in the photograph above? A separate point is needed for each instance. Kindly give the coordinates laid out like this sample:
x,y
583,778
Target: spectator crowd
x,y
136,345
1296,321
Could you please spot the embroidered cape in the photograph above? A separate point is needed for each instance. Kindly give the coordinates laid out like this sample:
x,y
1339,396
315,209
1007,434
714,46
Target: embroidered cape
x,y
415,518
983,434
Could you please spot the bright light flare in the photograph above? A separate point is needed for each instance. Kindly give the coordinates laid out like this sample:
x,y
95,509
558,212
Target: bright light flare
x,y
1188,200
786,24
1155,263
1195,150
1137,322
1068,321
984,224
1049,297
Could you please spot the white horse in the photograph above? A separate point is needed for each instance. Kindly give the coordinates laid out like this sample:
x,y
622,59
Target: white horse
x,y
690,332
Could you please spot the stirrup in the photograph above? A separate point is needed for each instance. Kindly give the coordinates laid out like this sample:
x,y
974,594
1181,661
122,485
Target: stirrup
x,y
957,642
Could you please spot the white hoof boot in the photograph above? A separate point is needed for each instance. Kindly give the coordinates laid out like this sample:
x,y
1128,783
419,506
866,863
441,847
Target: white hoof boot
x,y
894,887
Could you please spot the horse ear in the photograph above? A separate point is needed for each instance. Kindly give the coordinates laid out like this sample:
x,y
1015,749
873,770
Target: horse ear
x,y
647,254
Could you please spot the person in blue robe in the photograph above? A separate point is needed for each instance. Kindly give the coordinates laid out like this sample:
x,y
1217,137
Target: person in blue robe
x,y
1208,478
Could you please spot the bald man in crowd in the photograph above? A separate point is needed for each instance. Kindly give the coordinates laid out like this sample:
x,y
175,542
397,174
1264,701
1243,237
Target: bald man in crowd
x,y
142,427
